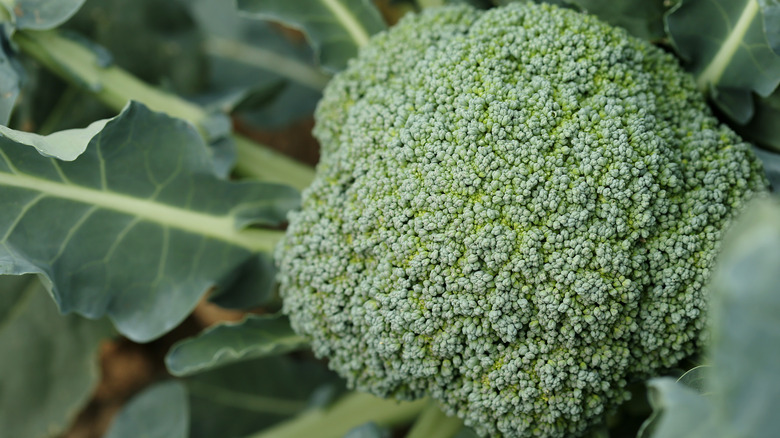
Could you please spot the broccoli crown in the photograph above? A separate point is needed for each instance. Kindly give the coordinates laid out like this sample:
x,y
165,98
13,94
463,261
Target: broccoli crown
x,y
516,212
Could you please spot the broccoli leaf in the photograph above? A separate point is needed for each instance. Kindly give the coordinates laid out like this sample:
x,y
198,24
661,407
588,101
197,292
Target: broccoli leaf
x,y
48,364
41,14
764,128
253,337
9,84
771,12
161,411
65,145
643,18
725,45
335,28
138,227
242,398
742,387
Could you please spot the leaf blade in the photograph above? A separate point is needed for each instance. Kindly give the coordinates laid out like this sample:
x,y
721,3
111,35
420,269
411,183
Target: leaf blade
x,y
144,225
336,28
161,411
253,337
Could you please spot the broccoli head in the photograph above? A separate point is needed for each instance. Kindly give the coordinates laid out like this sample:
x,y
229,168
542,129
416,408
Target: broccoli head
x,y
516,212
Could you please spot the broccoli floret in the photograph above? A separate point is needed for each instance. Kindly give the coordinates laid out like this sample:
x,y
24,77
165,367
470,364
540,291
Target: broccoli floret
x,y
516,212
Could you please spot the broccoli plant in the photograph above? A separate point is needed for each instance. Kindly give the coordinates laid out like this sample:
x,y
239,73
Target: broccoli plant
x,y
514,222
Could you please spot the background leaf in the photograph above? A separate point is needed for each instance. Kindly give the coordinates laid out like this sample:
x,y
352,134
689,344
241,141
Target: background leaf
x,y
253,337
160,411
41,14
746,330
9,84
143,226
368,430
336,28
725,46
242,398
771,12
764,127
742,386
642,18
48,365
264,76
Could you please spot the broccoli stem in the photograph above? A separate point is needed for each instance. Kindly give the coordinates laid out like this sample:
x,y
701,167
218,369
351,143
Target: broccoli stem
x,y
433,423
350,411
115,87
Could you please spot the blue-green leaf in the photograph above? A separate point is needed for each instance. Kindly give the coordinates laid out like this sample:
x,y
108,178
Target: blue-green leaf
x,y
161,411
138,227
336,28
64,145
253,337
764,128
746,325
683,412
9,84
771,12
642,18
41,14
741,387
48,365
242,398
368,430
725,45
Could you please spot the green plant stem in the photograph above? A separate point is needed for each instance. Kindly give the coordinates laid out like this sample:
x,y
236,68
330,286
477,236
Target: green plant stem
x,y
115,87
433,423
350,411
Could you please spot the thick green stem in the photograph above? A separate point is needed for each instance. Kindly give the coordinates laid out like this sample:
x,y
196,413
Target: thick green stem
x,y
433,423
352,410
115,87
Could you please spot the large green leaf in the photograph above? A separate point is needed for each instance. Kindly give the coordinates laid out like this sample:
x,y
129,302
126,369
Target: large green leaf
x,y
48,365
161,411
336,28
138,227
742,386
726,48
253,337
41,14
746,331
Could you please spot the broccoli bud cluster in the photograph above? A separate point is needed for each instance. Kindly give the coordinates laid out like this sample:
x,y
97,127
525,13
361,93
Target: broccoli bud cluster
x,y
516,212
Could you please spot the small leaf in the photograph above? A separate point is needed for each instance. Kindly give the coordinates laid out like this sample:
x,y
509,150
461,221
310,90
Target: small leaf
x,y
64,145
724,44
9,84
138,227
771,11
336,28
253,337
41,14
48,362
161,411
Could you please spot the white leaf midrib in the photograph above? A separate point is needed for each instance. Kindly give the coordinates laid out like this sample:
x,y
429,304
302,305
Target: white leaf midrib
x,y
714,71
216,227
